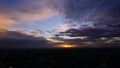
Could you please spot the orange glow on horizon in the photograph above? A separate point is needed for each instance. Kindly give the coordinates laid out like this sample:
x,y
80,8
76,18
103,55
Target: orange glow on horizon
x,y
66,46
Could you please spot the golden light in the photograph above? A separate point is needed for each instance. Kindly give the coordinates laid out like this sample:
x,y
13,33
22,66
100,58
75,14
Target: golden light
x,y
54,40
66,46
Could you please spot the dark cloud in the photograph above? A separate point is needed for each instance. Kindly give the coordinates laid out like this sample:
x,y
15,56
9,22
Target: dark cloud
x,y
89,9
92,41
91,32
105,15
12,39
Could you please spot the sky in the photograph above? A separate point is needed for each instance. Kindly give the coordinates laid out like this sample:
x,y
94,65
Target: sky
x,y
59,23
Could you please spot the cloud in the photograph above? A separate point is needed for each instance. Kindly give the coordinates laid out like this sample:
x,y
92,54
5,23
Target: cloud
x,y
5,22
35,33
82,41
91,32
92,19
14,39
25,11
101,18
64,27
78,10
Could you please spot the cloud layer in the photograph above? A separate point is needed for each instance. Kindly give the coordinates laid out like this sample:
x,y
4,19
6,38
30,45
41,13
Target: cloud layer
x,y
103,15
87,21
15,11
14,39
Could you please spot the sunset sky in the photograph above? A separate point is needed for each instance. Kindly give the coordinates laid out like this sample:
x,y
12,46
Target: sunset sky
x,y
55,23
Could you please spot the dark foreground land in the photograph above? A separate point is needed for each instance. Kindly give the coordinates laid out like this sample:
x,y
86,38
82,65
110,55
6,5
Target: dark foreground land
x,y
59,58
